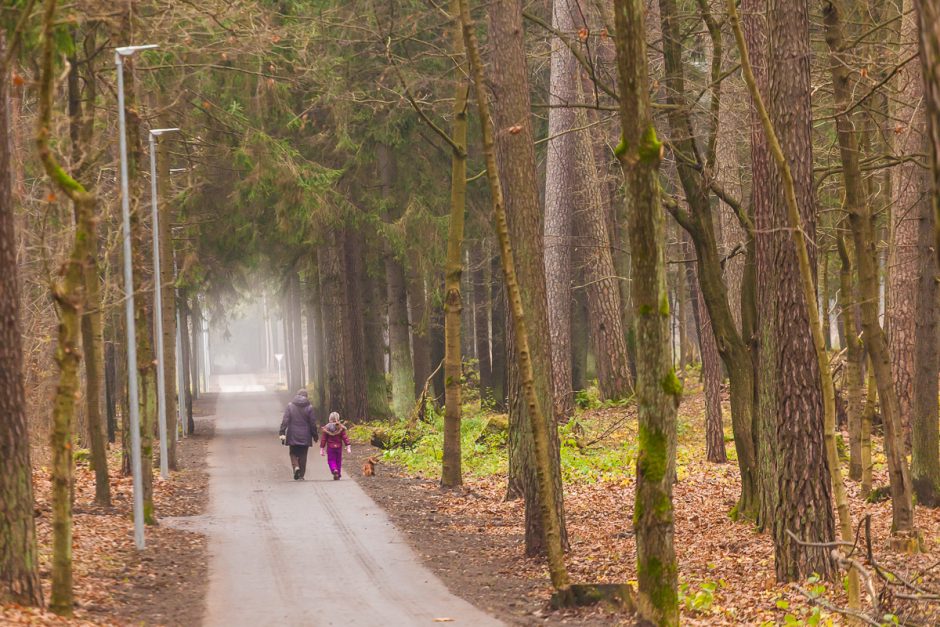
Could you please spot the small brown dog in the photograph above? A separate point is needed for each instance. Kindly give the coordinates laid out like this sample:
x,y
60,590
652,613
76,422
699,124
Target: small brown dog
x,y
368,468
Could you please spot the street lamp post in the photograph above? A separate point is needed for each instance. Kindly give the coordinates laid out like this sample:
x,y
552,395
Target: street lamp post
x,y
279,357
158,300
134,411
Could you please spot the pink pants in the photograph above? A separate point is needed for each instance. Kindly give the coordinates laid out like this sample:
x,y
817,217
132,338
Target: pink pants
x,y
334,457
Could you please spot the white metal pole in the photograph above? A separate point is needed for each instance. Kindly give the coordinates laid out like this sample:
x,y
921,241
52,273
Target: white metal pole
x,y
129,315
158,312
180,381
158,303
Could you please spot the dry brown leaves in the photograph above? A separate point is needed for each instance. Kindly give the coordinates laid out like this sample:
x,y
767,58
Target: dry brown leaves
x,y
713,550
114,584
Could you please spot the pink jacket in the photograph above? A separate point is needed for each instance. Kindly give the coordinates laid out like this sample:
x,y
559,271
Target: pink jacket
x,y
333,435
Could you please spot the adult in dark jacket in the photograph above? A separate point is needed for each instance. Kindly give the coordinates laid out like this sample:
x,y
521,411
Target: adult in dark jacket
x,y
299,431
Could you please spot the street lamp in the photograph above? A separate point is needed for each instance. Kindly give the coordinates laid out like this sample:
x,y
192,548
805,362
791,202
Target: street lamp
x,y
279,357
134,412
180,375
158,300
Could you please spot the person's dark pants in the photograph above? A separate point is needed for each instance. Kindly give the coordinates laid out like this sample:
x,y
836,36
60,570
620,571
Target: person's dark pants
x,y
298,458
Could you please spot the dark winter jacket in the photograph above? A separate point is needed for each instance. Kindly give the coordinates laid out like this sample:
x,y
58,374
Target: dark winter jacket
x,y
299,423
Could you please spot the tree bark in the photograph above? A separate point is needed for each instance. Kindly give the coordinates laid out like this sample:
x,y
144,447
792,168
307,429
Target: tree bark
x,y
602,289
68,293
855,356
19,554
762,338
419,322
658,389
804,386
357,402
520,224
711,373
186,362
698,222
374,330
481,309
908,189
498,336
515,156
560,185
925,466
873,335
81,131
335,316
451,474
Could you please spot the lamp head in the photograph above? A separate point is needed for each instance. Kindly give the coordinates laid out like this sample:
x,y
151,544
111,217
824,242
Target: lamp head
x,y
126,51
157,132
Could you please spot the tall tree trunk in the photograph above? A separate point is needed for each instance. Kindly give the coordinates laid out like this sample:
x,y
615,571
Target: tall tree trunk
x,y
296,319
196,358
451,474
481,322
315,331
855,356
698,222
335,316
438,348
19,554
373,332
560,185
925,464
357,402
418,316
68,293
874,338
909,187
928,19
657,387
519,223
804,389
711,373
763,339
580,341
498,335
602,290
515,155
81,131
925,449
398,337
186,361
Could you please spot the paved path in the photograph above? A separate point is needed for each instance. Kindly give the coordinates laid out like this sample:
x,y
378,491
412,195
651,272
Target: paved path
x,y
314,552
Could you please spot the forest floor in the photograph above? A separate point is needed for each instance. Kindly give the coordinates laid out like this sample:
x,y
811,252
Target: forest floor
x,y
114,583
472,538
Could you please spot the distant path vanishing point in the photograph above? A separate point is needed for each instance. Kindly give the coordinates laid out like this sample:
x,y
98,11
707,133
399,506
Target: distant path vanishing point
x,y
314,552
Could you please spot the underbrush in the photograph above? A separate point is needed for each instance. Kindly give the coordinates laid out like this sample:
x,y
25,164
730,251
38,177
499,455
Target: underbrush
x,y
598,444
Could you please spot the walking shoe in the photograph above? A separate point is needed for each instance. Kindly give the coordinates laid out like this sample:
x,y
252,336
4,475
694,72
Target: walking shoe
x,y
296,474
335,476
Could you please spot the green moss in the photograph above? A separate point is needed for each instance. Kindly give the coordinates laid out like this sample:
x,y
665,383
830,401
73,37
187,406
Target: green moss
x,y
621,148
671,384
651,149
652,458
645,310
664,303
661,593
149,518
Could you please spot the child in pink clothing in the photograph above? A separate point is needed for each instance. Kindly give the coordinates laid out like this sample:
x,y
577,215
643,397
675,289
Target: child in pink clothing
x,y
332,438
